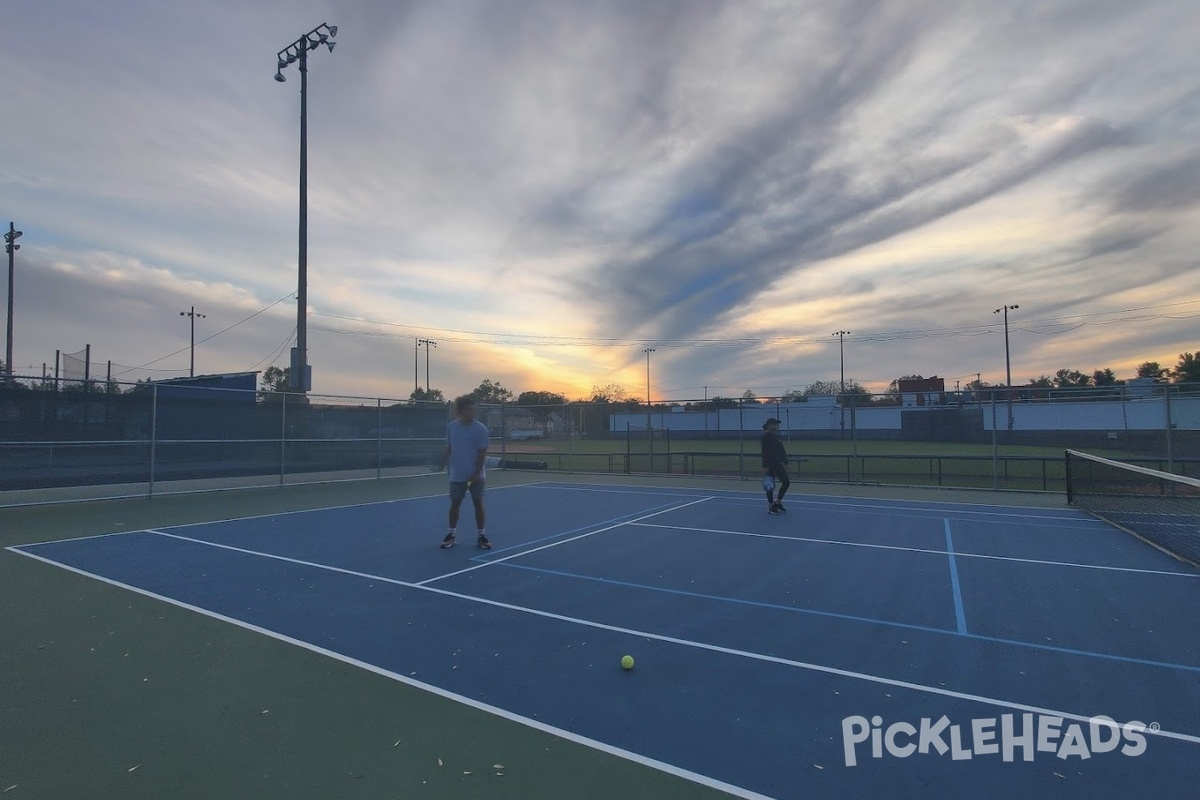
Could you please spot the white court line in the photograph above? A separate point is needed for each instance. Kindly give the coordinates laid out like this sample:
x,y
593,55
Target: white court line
x,y
957,553
614,629
254,516
752,493
885,505
562,733
555,544
868,508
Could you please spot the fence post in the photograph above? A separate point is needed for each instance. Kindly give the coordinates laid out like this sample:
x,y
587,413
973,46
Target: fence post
x,y
628,447
1170,459
282,436
741,439
854,434
379,438
995,453
503,433
569,425
153,433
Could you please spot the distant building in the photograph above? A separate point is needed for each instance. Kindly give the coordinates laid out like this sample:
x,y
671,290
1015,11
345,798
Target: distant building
x,y
923,392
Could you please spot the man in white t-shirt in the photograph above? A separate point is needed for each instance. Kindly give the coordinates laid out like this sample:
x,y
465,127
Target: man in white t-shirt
x,y
466,452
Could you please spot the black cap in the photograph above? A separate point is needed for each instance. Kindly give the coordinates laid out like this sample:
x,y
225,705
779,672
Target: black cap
x,y
772,421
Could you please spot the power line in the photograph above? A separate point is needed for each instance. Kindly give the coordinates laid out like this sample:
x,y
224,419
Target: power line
x,y
278,351
210,338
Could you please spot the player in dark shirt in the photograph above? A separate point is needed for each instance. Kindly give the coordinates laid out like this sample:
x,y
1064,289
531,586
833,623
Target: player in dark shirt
x,y
774,463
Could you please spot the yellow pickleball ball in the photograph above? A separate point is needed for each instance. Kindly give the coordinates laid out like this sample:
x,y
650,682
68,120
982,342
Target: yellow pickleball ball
x,y
627,662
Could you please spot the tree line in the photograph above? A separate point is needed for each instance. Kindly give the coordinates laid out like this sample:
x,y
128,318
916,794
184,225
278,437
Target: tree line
x,y
1186,370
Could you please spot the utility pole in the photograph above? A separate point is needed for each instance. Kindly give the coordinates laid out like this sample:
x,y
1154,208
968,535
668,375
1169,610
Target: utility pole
x,y
1007,361
842,348
428,343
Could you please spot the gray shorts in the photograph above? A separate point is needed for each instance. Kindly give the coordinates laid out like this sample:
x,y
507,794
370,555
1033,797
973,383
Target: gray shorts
x,y
458,490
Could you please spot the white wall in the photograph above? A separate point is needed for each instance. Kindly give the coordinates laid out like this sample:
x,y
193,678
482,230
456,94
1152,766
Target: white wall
x,y
823,414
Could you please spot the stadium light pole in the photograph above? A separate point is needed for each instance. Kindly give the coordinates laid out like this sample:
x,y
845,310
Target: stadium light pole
x,y
10,247
1007,361
323,34
193,315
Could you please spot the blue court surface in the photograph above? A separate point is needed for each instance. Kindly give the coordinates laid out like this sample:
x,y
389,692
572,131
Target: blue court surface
x,y
848,648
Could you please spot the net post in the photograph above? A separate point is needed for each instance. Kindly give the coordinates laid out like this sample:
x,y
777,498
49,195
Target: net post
x,y
378,438
153,433
1067,472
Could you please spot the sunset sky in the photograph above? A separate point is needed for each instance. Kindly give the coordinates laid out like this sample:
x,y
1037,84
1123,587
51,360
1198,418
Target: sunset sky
x,y
546,188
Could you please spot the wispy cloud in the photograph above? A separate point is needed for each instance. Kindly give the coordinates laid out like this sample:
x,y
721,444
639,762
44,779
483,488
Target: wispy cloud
x,y
667,172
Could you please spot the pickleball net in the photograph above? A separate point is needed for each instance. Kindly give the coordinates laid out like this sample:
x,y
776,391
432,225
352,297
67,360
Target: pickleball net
x,y
1159,508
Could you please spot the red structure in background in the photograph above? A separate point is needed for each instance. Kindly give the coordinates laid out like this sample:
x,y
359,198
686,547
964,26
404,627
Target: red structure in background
x,y
927,391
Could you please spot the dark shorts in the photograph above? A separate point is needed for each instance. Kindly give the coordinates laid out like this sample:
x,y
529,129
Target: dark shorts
x,y
459,490
778,472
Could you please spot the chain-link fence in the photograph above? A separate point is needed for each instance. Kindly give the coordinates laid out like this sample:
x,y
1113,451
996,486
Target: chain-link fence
x,y
175,436
181,435
990,439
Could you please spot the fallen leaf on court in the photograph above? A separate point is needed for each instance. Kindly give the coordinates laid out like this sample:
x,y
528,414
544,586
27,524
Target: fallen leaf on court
x,y
466,772
266,710
131,769
497,766
818,766
439,762
1064,777
9,789
397,744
